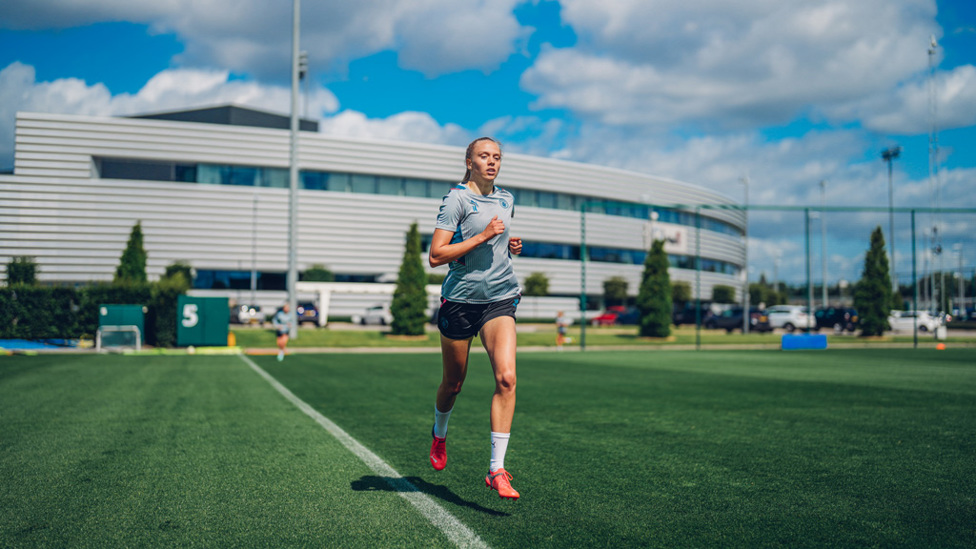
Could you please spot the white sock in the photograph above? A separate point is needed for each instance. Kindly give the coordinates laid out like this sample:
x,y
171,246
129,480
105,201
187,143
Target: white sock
x,y
499,444
440,422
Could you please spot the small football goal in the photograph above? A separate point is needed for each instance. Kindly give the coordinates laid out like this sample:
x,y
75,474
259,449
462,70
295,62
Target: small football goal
x,y
118,338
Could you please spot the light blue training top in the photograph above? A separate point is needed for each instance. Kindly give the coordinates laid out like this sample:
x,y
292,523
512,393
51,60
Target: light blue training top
x,y
281,321
485,274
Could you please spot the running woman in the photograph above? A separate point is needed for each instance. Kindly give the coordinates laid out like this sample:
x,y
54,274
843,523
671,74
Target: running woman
x,y
282,325
478,296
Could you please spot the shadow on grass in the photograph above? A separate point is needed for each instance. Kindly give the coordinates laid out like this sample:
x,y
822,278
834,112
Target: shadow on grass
x,y
371,483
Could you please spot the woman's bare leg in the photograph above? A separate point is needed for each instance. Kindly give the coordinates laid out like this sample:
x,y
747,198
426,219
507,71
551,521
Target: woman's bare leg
x,y
498,337
454,355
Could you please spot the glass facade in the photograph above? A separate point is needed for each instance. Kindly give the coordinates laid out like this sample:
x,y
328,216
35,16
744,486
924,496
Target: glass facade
x,y
250,176
256,176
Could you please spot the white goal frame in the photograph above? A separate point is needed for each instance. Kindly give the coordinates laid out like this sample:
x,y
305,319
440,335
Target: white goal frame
x,y
324,291
117,328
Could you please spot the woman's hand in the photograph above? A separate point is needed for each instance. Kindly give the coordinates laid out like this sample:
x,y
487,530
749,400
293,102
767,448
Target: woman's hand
x,y
495,227
515,245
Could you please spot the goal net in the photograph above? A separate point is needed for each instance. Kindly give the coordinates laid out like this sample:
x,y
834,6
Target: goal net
x,y
118,338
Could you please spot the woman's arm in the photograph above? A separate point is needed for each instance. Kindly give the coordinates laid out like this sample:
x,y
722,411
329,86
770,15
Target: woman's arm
x,y
443,252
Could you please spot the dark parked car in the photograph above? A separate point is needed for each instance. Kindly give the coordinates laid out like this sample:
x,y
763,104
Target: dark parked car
x,y
630,317
686,314
839,319
308,312
731,319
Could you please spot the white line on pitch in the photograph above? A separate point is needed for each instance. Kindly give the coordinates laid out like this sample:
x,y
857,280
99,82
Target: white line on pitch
x,y
455,530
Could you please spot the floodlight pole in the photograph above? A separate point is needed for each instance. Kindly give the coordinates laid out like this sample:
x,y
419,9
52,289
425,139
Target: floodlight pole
x,y
254,247
293,172
889,155
745,262
823,241
806,217
914,281
698,318
583,277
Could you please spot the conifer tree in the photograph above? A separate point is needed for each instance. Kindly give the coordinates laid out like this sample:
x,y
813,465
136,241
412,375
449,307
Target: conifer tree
x,y
22,270
654,297
615,290
872,295
132,265
536,284
409,308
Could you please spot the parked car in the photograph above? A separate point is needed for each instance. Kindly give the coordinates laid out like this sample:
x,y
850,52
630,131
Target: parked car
x,y
246,314
788,317
377,314
629,317
686,314
608,317
731,319
840,319
904,321
307,312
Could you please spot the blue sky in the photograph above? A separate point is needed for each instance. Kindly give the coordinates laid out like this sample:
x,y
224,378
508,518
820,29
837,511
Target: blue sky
x,y
786,93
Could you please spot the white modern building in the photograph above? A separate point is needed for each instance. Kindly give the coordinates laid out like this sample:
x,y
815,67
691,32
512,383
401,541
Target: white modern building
x,y
210,188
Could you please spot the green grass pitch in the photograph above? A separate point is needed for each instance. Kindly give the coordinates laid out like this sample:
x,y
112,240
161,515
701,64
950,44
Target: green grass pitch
x,y
841,448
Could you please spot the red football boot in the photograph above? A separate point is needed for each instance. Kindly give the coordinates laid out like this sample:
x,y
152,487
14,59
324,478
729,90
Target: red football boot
x,y
438,452
500,480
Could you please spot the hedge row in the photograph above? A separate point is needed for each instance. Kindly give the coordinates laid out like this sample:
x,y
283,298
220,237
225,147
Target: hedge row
x,y
33,312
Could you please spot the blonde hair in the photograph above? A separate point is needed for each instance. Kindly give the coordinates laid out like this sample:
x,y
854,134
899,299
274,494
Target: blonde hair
x,y
467,154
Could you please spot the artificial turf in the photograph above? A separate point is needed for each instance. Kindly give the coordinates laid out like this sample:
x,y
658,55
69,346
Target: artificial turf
x,y
843,448
733,449
109,451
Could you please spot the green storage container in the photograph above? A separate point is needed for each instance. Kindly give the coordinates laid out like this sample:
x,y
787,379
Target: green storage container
x,y
202,321
122,315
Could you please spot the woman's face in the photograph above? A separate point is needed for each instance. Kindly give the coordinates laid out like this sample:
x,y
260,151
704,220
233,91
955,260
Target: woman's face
x,y
485,161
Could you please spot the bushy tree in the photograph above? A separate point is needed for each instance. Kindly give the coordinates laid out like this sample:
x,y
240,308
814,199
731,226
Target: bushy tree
x,y
680,292
132,265
654,297
318,273
723,294
615,290
872,294
179,274
536,284
409,306
22,270
763,292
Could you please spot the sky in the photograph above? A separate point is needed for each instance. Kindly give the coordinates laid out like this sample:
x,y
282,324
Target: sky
x,y
788,102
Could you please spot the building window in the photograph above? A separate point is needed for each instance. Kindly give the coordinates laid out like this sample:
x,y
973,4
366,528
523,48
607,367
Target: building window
x,y
389,185
363,183
217,174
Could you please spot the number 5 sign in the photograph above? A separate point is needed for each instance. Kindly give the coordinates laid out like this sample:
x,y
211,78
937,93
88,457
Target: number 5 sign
x,y
202,321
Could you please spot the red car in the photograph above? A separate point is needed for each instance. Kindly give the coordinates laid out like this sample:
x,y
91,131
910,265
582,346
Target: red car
x,y
608,317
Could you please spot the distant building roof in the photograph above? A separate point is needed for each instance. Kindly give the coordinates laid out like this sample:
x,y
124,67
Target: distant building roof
x,y
233,115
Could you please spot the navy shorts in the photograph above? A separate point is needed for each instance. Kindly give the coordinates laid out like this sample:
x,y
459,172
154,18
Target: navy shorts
x,y
465,320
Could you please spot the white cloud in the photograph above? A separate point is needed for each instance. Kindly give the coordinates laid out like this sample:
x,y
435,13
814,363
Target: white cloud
x,y
905,110
729,64
406,126
442,36
254,36
168,90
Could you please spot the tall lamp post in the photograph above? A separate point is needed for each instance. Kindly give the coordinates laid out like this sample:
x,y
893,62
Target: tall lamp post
x,y
745,263
889,155
823,242
957,247
254,247
293,171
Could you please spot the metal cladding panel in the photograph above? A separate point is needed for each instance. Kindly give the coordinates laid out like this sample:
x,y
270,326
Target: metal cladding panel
x,y
75,225
197,142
